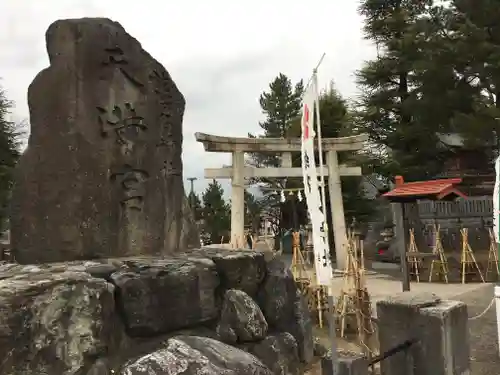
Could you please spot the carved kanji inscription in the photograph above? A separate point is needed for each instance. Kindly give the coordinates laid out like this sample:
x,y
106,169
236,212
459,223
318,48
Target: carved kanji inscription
x,y
123,121
131,182
116,57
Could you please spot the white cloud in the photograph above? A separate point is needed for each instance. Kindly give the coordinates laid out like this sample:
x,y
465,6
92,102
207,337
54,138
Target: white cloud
x,y
221,53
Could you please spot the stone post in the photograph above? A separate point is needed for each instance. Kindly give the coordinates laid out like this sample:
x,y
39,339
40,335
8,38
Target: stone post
x,y
348,364
238,201
440,328
337,208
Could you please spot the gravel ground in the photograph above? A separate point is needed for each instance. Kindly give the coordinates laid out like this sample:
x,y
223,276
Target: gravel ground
x,y
483,336
485,359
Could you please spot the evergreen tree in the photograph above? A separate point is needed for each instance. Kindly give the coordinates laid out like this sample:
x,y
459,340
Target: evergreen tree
x,y
471,30
281,106
196,206
253,212
9,154
391,108
216,212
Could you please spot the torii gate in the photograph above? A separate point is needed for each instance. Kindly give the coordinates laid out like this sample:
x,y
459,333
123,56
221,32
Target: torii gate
x,y
238,172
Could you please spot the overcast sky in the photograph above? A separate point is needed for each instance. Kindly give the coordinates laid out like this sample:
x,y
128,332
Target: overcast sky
x,y
221,53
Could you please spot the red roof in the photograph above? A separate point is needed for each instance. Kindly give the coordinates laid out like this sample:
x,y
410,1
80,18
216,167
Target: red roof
x,y
437,189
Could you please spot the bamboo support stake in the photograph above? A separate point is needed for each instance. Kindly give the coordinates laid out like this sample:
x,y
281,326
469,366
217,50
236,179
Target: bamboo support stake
x,y
468,259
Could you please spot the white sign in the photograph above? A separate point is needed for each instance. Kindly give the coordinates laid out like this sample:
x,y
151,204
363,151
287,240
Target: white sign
x,y
322,260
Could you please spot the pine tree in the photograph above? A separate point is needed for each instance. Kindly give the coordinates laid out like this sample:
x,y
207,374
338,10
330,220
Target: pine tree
x,y
216,213
281,106
253,212
391,108
471,29
196,206
9,154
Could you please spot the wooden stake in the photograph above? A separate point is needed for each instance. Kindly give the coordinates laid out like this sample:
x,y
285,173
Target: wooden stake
x,y
492,256
441,260
412,256
468,259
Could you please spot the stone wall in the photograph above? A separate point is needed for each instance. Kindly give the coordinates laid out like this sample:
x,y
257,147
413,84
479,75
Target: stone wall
x,y
208,311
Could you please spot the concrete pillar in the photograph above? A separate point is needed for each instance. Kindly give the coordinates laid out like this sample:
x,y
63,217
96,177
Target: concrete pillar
x,y
238,201
337,208
439,326
286,160
348,364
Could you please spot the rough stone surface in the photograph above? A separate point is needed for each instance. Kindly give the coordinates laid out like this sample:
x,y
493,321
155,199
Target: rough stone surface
x,y
241,319
279,353
285,309
440,329
163,295
102,173
348,364
241,270
55,323
191,355
91,317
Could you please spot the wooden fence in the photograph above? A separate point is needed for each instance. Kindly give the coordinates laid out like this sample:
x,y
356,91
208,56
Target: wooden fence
x,y
475,213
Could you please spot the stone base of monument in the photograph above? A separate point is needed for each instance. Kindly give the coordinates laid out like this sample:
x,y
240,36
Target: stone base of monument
x,y
210,311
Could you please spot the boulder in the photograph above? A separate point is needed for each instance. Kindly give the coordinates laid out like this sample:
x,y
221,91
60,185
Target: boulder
x,y
160,295
56,323
102,173
192,355
243,269
285,309
279,353
241,319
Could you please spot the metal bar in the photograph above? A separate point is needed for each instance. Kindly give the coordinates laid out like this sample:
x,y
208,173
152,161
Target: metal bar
x,y
398,348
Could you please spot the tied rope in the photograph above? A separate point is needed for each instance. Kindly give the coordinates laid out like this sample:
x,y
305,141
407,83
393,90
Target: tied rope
x,y
480,315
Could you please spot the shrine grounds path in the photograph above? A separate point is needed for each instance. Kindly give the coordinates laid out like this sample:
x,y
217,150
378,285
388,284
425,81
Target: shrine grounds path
x,y
485,359
484,351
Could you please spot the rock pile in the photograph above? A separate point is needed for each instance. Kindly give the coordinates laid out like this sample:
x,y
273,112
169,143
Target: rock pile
x,y
207,311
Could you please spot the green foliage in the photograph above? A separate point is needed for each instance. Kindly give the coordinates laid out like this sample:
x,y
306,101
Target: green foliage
x,y
437,71
281,106
196,206
389,105
216,212
253,212
9,154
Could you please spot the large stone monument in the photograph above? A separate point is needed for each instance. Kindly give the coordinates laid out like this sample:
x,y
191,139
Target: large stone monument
x,y
102,173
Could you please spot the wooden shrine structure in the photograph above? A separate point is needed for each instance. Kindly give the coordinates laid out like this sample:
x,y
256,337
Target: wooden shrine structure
x,y
407,193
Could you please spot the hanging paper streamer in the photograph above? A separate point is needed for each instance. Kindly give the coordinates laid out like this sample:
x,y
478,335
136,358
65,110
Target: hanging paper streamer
x,y
324,272
283,198
299,196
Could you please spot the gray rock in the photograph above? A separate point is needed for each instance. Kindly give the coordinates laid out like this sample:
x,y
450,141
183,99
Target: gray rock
x,y
279,353
162,295
191,355
102,173
241,319
285,309
244,270
56,323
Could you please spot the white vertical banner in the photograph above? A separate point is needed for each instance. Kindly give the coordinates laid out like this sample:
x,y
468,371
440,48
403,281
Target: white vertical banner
x,y
322,260
496,202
